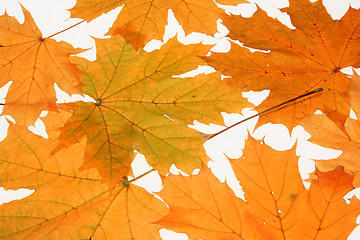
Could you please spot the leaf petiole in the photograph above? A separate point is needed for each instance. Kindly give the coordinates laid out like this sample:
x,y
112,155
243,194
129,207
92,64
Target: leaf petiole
x,y
268,110
64,30
142,175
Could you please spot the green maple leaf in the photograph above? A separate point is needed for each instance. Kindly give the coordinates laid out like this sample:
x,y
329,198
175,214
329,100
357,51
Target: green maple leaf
x,y
140,106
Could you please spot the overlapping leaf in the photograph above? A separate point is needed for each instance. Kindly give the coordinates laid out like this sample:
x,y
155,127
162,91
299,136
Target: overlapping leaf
x,y
90,9
279,198
352,97
68,204
276,194
300,60
204,208
231,2
142,20
33,63
325,133
276,198
140,106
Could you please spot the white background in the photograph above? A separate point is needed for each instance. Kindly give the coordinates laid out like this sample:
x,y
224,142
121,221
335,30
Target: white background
x,y
51,16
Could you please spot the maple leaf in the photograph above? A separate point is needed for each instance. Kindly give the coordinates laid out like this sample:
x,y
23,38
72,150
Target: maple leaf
x,y
276,198
34,64
91,9
279,198
333,217
142,20
68,204
276,194
140,106
231,2
325,133
204,208
352,97
300,60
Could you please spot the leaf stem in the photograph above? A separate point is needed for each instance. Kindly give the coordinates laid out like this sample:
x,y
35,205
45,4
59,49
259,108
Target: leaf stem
x,y
142,175
66,29
268,110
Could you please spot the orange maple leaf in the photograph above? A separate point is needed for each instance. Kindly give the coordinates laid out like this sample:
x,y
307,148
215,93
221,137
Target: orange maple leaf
x,y
276,198
141,20
325,133
34,64
202,207
231,2
300,60
68,204
353,97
